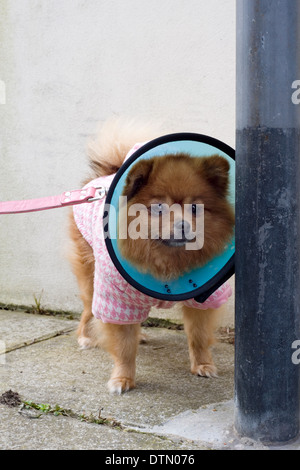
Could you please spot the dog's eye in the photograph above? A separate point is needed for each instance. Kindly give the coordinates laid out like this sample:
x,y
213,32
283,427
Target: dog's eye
x,y
195,209
158,209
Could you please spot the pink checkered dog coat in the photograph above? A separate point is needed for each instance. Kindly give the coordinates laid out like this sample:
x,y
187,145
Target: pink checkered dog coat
x,y
115,300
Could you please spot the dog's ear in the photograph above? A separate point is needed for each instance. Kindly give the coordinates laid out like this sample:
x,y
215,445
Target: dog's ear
x,y
137,178
216,171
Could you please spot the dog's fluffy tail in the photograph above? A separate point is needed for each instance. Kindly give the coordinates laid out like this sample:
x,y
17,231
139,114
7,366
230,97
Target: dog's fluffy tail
x,y
112,143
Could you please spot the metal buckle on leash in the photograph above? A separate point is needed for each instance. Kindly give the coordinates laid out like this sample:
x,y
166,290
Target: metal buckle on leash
x,y
101,192
68,198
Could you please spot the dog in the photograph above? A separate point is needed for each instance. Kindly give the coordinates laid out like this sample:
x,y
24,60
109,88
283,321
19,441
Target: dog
x,y
113,309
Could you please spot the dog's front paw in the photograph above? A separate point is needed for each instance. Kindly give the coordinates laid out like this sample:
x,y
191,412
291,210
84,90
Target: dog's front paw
x,y
205,370
120,385
84,342
143,338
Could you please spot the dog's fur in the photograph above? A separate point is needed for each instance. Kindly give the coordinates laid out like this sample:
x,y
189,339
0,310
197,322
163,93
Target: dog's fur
x,y
161,176
177,181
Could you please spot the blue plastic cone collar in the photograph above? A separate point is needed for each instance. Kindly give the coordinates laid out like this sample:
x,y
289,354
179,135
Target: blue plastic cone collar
x,y
201,282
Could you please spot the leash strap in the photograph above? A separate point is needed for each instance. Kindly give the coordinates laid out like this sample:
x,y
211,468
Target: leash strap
x,y
68,198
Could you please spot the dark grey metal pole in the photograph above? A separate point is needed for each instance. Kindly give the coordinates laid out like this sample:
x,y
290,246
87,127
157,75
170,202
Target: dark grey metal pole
x,y
267,220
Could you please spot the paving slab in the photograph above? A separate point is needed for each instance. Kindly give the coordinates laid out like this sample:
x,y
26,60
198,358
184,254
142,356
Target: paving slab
x,y
21,432
57,371
44,364
216,430
18,329
170,408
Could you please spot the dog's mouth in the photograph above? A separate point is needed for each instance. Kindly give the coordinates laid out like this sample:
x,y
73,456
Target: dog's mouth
x,y
180,236
175,242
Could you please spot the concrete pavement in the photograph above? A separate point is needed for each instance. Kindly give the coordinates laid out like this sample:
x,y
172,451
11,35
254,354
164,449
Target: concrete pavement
x,y
169,410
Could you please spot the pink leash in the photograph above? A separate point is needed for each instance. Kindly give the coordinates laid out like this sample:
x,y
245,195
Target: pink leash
x,y
68,198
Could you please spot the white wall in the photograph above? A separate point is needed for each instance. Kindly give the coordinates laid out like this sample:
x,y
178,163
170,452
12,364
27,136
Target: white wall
x,y
68,64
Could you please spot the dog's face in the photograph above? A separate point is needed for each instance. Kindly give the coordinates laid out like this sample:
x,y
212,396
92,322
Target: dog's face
x,y
177,216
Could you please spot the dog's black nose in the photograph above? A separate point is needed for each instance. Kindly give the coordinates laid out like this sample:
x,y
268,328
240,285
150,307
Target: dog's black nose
x,y
183,227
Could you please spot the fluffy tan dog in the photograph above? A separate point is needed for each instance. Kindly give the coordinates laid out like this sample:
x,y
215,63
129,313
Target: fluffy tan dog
x,y
156,184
